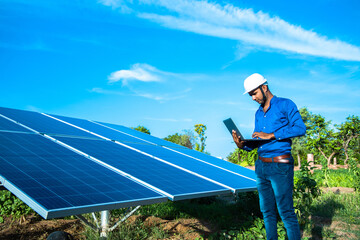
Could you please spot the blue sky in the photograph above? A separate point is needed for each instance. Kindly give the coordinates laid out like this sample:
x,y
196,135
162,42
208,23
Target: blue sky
x,y
168,65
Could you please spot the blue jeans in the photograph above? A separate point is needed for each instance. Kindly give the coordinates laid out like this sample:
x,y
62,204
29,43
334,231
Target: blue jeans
x,y
275,183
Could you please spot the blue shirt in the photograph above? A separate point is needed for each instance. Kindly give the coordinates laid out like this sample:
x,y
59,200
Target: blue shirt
x,y
284,120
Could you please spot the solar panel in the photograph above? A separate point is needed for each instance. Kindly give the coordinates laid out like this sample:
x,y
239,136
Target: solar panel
x,y
88,155
233,176
145,137
111,131
173,182
6,125
41,123
57,182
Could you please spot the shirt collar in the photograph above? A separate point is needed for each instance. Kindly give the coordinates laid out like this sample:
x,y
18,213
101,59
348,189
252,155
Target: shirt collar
x,y
273,100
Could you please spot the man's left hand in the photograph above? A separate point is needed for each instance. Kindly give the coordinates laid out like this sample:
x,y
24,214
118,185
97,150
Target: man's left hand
x,y
263,135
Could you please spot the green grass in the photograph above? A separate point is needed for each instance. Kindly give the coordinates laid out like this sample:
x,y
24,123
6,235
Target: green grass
x,y
341,207
336,178
331,207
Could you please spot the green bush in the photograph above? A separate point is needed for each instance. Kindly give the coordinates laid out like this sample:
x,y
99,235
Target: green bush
x,y
12,206
305,191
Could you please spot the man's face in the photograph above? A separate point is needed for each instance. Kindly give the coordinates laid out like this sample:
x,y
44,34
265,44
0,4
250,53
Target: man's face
x,y
257,96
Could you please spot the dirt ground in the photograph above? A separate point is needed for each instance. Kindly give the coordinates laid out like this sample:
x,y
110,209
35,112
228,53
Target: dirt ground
x,y
35,228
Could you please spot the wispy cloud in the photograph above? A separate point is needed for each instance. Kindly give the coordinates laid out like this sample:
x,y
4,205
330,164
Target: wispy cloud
x,y
144,80
170,119
105,91
255,28
158,97
138,72
163,97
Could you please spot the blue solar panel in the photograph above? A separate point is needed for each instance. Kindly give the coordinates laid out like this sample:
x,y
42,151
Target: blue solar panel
x,y
57,182
7,125
230,178
178,184
135,169
218,162
235,177
41,123
111,131
145,137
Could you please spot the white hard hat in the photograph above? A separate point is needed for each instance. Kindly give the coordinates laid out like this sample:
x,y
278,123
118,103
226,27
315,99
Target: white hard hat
x,y
253,81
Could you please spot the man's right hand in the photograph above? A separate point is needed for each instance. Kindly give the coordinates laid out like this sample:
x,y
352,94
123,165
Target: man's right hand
x,y
237,140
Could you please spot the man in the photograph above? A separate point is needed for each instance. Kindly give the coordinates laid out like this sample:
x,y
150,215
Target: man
x,y
277,119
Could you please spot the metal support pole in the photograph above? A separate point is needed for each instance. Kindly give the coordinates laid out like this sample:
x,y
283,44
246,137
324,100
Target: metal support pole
x,y
105,218
124,218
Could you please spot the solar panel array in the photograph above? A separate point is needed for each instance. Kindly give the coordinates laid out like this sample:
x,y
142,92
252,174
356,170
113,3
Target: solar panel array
x,y
64,166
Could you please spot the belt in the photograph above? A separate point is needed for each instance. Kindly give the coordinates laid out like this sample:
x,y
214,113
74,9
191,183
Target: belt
x,y
278,159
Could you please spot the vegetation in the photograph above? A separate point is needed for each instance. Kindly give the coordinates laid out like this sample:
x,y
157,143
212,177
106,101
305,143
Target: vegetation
x,y
185,139
141,129
242,157
191,139
200,130
12,206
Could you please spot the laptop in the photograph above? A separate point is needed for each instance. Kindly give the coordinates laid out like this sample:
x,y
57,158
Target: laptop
x,y
231,126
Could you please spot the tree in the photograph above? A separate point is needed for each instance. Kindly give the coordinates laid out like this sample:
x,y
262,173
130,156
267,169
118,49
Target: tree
x,y
239,156
186,139
320,137
299,143
141,129
200,130
349,131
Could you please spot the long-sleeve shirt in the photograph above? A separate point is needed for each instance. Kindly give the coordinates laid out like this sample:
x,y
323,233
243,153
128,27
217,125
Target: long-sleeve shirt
x,y
284,120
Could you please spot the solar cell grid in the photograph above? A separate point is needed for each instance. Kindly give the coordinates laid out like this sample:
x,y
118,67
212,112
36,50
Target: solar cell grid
x,y
52,190
218,162
156,173
231,179
112,131
146,137
6,125
41,123
56,181
234,177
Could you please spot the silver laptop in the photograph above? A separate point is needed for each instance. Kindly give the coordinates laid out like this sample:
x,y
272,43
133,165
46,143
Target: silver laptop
x,y
231,126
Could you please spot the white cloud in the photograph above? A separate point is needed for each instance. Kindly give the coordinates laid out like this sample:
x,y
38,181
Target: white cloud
x,y
162,97
138,72
170,119
144,80
118,4
105,91
254,28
